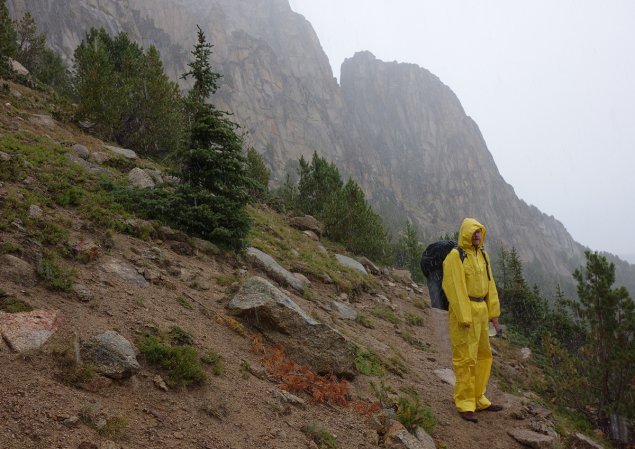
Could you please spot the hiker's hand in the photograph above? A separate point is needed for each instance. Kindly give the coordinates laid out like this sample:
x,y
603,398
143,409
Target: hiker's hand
x,y
495,323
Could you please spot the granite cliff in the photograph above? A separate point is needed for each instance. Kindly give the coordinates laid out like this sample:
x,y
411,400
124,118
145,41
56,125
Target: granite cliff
x,y
395,128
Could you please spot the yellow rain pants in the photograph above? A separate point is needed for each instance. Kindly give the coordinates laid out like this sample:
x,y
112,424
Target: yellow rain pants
x,y
471,353
471,359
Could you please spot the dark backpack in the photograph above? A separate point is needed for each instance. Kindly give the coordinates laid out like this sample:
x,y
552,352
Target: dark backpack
x,y
432,267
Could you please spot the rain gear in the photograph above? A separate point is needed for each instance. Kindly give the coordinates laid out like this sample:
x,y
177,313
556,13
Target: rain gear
x,y
471,352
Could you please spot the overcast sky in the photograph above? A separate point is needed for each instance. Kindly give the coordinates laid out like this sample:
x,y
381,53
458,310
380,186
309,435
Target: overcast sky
x,y
551,84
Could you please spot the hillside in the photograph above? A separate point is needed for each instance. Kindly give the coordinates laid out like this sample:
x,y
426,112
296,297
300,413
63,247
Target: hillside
x,y
397,129
87,267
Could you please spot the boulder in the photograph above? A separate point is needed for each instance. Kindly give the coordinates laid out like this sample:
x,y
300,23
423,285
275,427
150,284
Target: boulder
x,y
17,271
351,263
282,321
532,439
18,68
81,151
122,151
580,441
35,212
123,271
344,311
398,437
402,276
307,223
27,331
138,178
370,267
112,355
274,270
88,166
424,438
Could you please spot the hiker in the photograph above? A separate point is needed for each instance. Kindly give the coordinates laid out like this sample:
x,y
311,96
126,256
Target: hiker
x,y
473,301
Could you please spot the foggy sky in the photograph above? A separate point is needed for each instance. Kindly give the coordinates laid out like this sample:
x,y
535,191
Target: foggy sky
x,y
551,85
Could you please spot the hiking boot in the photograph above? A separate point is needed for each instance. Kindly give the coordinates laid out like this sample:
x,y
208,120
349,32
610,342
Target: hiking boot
x,y
492,408
469,416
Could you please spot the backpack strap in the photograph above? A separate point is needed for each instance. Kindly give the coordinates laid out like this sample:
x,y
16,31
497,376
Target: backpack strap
x,y
486,264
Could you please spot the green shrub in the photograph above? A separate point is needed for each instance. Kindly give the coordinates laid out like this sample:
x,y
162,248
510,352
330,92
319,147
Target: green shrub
x,y
184,302
181,363
321,437
367,362
55,276
11,305
412,414
385,313
216,361
364,321
180,337
413,319
10,248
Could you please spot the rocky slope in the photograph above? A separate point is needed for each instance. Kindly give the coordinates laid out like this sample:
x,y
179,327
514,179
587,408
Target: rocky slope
x,y
396,128
119,287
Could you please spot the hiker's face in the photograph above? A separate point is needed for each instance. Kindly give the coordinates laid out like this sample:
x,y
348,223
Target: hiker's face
x,y
476,238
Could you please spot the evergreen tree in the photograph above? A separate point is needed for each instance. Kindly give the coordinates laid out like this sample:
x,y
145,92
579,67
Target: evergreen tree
x,y
213,165
408,252
8,39
258,175
319,181
125,93
609,316
31,44
350,220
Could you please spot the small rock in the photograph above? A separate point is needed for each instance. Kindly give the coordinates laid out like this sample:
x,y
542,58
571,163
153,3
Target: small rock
x,y
312,235
525,353
580,441
4,156
370,267
35,212
122,151
112,355
532,439
351,263
138,178
344,311
286,397
446,375
73,421
424,438
178,435
124,271
42,120
81,151
86,250
307,223
17,271
323,250
82,292
160,383
155,175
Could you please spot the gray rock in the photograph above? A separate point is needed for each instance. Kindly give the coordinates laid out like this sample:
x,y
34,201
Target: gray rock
x,y
532,439
27,331
18,68
307,223
344,311
274,270
155,175
351,263
35,212
42,120
83,293
446,375
124,271
424,438
525,353
138,178
402,276
288,398
5,156
370,266
81,151
282,321
88,166
122,151
17,271
398,437
580,441
312,235
323,250
112,355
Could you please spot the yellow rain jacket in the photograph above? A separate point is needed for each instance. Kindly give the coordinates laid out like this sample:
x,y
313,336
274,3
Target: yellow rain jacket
x,y
466,284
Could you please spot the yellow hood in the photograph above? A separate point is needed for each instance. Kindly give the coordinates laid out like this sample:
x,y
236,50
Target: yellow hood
x,y
468,228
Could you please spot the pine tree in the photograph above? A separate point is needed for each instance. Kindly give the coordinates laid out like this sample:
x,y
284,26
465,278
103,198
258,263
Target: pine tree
x,y
408,251
213,166
319,181
31,44
609,316
8,39
258,175
350,220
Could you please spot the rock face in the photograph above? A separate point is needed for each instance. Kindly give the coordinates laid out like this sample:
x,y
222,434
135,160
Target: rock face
x,y
407,139
304,339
